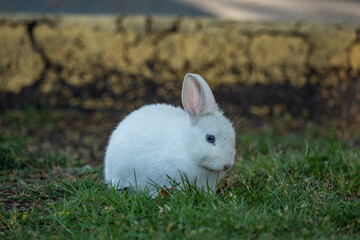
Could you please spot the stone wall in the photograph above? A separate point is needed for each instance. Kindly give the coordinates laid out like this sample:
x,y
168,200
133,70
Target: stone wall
x,y
115,62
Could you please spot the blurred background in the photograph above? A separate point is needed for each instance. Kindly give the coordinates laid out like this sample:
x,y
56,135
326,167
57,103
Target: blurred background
x,y
318,10
70,70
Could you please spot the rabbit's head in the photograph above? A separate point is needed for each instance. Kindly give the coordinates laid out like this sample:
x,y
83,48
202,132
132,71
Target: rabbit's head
x,y
211,136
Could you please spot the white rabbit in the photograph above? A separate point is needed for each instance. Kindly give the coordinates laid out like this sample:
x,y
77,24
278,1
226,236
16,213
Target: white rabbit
x,y
160,141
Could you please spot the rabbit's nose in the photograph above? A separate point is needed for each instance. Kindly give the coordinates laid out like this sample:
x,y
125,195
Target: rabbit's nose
x,y
227,167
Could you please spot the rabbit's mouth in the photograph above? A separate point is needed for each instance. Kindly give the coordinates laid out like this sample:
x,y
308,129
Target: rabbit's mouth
x,y
211,170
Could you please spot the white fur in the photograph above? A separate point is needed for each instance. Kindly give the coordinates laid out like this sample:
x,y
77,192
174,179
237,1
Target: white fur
x,y
160,141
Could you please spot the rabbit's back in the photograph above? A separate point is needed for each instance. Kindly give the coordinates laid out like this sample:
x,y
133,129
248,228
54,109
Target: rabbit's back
x,y
155,124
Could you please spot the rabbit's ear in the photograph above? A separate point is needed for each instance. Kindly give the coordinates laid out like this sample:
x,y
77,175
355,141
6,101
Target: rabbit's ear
x,y
197,98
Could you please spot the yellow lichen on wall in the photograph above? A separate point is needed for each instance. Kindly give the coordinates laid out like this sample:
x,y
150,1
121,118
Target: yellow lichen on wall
x,y
329,44
261,111
277,27
278,109
134,24
278,58
100,62
20,64
88,53
164,24
215,53
139,53
355,59
88,48
81,51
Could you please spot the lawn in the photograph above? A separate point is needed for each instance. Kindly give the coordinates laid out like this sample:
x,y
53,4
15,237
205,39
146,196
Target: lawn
x,y
301,182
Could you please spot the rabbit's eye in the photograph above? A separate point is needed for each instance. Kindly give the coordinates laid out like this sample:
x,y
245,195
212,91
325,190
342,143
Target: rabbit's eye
x,y
210,138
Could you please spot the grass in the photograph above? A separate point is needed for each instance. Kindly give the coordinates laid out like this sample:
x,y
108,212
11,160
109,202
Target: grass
x,y
303,184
